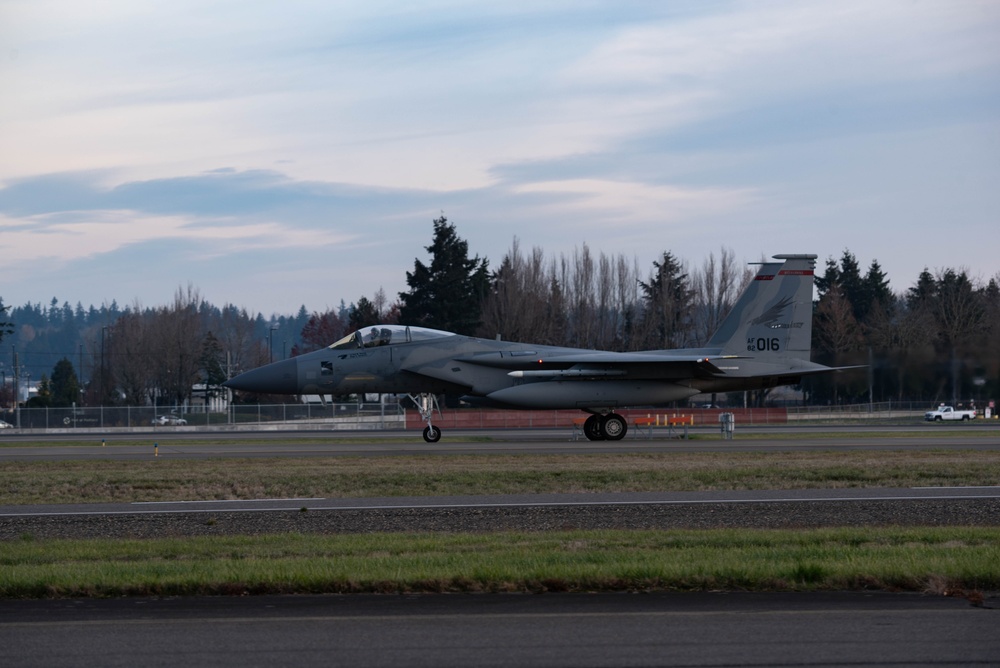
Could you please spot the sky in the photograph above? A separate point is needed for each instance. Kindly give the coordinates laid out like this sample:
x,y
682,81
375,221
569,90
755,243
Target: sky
x,y
274,155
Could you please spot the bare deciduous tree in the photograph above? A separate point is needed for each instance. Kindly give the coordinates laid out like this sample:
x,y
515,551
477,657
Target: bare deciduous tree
x,y
716,286
127,356
235,331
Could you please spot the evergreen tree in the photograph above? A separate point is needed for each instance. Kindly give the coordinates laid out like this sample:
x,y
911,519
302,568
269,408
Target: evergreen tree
x,y
364,314
851,284
54,313
64,385
448,294
668,304
960,315
875,291
830,278
862,293
5,327
212,362
922,294
44,397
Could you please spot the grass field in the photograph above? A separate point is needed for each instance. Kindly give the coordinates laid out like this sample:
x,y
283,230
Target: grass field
x,y
163,479
943,560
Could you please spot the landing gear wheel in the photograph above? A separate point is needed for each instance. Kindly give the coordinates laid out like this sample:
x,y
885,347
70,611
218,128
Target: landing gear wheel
x,y
592,428
613,427
427,404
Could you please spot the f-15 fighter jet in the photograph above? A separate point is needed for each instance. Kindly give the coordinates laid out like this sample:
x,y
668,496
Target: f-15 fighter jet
x,y
763,342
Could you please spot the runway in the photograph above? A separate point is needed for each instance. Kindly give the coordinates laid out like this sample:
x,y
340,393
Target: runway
x,y
497,631
190,444
767,509
798,496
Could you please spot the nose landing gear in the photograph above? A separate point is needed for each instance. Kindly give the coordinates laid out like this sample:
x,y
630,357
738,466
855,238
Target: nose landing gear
x,y
427,404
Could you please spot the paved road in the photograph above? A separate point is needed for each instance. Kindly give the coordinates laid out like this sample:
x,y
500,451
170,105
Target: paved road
x,y
605,630
606,499
195,445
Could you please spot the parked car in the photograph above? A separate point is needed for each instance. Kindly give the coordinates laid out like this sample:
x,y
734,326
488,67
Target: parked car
x,y
171,420
6,425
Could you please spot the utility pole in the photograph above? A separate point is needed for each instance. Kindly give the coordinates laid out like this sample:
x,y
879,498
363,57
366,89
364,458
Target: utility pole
x,y
103,329
270,346
17,389
229,392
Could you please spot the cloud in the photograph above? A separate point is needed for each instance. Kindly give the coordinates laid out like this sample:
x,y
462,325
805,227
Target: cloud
x,y
71,236
219,192
72,216
626,202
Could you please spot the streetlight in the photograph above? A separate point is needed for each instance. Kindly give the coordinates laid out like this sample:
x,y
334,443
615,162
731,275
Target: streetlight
x,y
270,347
979,382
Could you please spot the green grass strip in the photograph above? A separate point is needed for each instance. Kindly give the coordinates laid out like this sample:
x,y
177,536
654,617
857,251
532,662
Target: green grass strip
x,y
165,479
941,560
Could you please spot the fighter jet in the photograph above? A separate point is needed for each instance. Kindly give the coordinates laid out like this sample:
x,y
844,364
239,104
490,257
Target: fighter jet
x,y
763,342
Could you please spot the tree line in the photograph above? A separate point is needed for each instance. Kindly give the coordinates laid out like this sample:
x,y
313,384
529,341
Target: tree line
x,y
934,341
937,340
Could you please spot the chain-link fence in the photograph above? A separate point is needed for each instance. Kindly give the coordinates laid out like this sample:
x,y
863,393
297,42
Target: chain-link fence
x,y
392,416
342,416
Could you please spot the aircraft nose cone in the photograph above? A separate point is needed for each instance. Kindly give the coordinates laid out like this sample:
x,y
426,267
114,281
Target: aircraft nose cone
x,y
276,378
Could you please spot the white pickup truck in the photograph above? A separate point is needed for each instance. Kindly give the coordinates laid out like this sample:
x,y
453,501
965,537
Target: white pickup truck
x,y
948,413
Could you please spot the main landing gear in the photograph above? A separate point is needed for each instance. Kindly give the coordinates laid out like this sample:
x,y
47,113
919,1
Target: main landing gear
x,y
608,427
427,404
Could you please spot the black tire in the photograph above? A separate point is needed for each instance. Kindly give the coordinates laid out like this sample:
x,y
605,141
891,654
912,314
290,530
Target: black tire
x,y
937,418
592,428
614,427
432,434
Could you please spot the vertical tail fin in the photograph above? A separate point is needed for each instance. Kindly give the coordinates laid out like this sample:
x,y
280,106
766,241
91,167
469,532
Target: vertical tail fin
x,y
730,328
773,316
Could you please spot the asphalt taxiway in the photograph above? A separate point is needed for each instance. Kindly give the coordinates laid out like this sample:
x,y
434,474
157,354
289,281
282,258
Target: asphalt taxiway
x,y
554,630
597,499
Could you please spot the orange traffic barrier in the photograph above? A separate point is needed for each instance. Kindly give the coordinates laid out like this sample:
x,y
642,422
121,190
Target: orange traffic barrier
x,y
669,421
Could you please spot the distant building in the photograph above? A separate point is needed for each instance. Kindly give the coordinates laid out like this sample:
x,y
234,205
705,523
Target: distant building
x,y
208,399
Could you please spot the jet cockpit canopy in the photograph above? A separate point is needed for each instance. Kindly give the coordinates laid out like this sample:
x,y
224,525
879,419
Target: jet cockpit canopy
x,y
384,335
